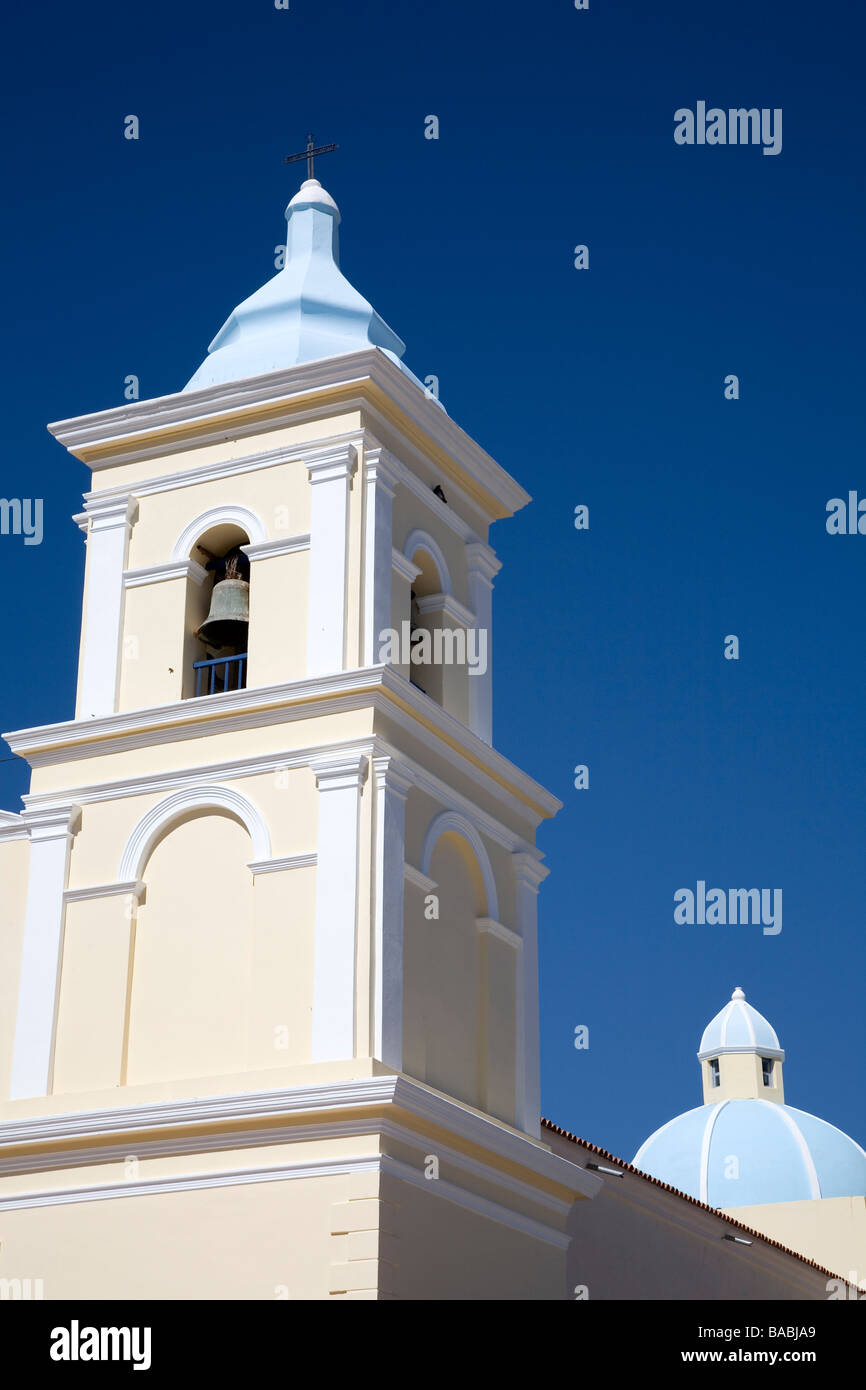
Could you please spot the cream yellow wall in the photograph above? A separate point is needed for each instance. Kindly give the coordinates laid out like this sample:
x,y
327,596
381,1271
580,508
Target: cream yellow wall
x,y
279,496
93,1003
190,992
446,1252
198,746
211,974
830,1230
14,865
268,1240
240,446
279,591
356,1234
152,660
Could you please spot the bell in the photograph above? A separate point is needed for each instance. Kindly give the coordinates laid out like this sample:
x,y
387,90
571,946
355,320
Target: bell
x,y
228,620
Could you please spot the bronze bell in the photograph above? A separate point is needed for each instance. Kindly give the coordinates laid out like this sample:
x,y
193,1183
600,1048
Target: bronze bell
x,y
228,620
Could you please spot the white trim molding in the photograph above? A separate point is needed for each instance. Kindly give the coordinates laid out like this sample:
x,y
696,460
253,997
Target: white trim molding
x,y
447,606
149,429
329,471
379,486
455,823
338,780
321,1110
404,567
134,889
51,833
486,926
242,517
419,880
528,875
483,569
12,827
277,866
155,574
392,783
267,550
110,525
202,798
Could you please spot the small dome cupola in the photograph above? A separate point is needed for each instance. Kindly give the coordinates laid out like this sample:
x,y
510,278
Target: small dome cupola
x,y
744,1146
740,1055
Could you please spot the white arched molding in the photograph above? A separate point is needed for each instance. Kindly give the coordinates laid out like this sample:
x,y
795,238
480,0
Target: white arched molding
x,y
422,540
455,823
173,808
218,516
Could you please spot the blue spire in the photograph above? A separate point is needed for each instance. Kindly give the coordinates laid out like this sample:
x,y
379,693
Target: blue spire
x,y
306,312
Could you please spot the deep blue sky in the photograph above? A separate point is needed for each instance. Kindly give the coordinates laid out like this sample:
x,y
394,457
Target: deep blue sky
x,y
602,387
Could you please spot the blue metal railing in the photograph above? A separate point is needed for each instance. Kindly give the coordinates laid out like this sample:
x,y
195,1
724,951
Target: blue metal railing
x,y
223,673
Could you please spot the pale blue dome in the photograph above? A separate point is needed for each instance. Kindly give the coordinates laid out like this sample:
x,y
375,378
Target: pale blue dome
x,y
306,312
741,1153
739,1028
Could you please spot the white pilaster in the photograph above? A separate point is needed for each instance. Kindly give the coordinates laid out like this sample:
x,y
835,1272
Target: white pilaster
x,y
338,778
379,484
483,568
528,875
107,545
329,473
50,833
392,785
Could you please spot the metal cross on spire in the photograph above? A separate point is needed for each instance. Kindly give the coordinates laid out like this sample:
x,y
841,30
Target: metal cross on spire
x,y
309,154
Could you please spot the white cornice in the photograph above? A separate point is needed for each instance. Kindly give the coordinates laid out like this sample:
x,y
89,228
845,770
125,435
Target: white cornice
x,y
134,887
222,468
276,866
447,606
419,880
105,513
380,686
155,574
266,550
487,926
404,567
372,747
364,1094
141,427
11,826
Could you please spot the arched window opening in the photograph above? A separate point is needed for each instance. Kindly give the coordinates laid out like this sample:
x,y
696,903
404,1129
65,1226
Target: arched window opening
x,y
424,673
218,614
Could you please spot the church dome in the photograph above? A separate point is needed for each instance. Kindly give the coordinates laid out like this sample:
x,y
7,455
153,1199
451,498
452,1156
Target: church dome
x,y
744,1146
738,1027
742,1153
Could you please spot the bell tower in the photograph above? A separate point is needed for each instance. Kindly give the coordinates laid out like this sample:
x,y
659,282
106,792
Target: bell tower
x,y
270,904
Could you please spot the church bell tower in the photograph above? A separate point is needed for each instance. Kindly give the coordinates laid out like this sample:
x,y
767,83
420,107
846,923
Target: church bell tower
x,y
268,919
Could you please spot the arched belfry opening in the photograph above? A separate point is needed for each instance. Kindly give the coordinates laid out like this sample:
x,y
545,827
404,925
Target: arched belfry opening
x,y
218,614
423,671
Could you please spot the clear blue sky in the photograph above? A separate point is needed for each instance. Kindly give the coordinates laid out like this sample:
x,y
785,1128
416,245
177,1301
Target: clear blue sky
x,y
601,387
